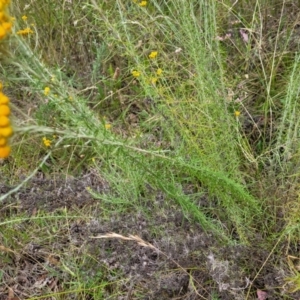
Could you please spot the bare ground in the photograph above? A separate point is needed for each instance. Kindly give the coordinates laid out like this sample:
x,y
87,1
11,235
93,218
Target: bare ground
x,y
175,260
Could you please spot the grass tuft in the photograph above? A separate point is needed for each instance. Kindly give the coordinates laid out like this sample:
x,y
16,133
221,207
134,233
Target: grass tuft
x,y
195,99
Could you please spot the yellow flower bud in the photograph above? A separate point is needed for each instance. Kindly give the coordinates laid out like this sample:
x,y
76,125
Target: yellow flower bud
x,y
4,110
3,99
4,151
3,142
6,131
4,121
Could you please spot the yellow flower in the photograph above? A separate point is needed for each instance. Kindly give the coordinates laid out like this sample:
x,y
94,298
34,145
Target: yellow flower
x,y
143,3
5,20
46,91
159,71
2,32
25,31
153,54
4,110
107,126
3,142
7,26
3,3
4,151
136,74
46,142
24,18
153,80
4,121
4,17
6,132
3,99
237,113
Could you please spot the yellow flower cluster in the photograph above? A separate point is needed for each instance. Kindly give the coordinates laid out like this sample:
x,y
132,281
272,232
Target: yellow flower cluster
x,y
152,80
237,113
5,21
25,31
5,126
136,74
46,91
143,3
153,54
46,142
159,71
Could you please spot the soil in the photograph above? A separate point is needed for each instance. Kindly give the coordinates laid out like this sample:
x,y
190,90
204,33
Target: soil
x,y
176,259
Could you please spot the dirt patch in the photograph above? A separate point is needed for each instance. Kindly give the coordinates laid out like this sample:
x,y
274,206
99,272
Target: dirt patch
x,y
176,259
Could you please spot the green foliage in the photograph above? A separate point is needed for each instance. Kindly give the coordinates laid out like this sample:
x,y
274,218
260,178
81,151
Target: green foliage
x,y
217,107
